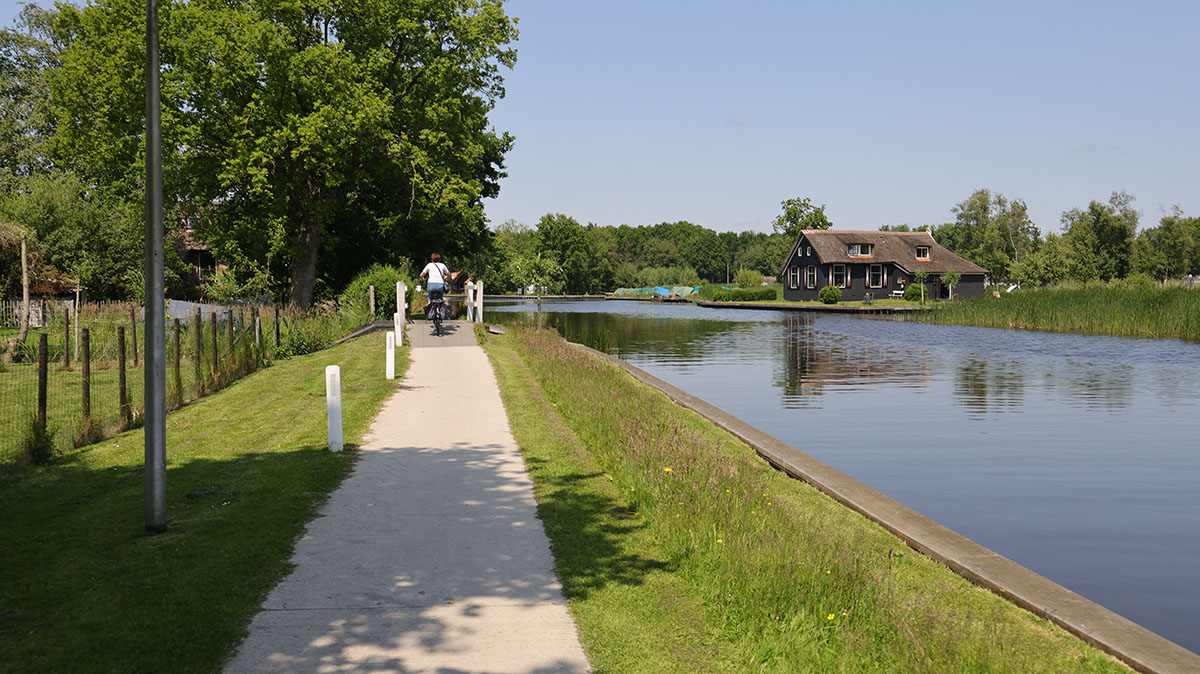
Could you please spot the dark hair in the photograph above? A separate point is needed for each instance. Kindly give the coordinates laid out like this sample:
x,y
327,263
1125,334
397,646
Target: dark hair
x,y
435,257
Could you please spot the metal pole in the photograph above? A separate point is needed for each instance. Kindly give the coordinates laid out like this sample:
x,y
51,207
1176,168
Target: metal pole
x,y
156,348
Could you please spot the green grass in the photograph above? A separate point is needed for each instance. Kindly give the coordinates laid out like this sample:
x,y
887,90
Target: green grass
x,y
86,589
1126,312
681,550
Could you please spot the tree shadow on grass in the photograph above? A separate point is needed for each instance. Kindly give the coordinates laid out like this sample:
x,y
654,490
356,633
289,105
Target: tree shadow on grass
x,y
591,533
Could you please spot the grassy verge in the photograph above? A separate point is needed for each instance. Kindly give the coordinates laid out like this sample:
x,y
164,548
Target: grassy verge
x,y
1125,312
87,590
679,549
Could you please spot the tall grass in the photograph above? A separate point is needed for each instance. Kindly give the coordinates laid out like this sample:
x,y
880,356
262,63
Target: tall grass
x,y
1092,310
764,571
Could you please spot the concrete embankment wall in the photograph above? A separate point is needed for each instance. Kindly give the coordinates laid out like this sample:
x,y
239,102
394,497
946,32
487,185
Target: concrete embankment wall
x,y
1133,644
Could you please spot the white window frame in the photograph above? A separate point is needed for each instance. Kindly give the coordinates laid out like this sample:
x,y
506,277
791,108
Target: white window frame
x,y
875,271
810,276
834,271
793,277
919,255
852,250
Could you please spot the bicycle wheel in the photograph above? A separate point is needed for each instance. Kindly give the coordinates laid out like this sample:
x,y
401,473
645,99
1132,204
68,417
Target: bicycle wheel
x,y
437,322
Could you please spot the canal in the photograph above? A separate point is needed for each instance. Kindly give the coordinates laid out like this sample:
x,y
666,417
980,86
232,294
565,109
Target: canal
x,y
1075,456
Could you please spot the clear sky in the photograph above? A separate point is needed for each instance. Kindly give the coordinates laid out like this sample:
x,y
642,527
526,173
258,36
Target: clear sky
x,y
639,112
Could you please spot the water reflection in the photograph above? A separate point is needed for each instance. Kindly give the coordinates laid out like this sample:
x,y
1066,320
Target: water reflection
x,y
984,386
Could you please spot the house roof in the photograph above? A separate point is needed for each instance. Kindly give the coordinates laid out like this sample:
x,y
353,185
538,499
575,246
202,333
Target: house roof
x,y
899,248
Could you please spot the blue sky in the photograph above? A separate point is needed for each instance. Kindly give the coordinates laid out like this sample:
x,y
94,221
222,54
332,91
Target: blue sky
x,y
889,113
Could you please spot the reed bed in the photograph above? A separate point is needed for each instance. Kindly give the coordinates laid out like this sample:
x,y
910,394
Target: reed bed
x,y
679,548
1172,312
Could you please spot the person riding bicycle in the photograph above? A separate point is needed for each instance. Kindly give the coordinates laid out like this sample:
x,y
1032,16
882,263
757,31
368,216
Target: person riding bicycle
x,y
438,275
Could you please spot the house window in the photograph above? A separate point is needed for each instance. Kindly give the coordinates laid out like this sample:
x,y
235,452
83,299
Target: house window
x,y
794,277
922,252
837,276
861,249
810,276
809,249
875,276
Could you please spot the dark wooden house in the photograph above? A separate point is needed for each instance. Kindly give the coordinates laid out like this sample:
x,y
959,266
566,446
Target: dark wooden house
x,y
880,263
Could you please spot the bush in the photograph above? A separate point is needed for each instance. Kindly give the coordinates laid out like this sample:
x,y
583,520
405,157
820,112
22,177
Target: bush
x,y
38,447
830,295
745,295
384,278
748,278
668,276
913,293
1140,281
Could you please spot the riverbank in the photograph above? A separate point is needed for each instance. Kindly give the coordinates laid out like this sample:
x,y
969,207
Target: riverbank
x,y
1123,312
680,549
880,307
88,590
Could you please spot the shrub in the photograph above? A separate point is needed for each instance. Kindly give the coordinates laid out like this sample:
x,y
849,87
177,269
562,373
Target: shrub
x,y
1140,281
830,295
748,278
912,293
39,443
745,295
384,278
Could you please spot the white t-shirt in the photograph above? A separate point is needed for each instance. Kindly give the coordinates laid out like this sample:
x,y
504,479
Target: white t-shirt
x,y
436,271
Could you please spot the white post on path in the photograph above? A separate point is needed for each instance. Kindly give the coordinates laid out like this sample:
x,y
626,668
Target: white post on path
x,y
470,301
401,311
333,404
391,355
479,301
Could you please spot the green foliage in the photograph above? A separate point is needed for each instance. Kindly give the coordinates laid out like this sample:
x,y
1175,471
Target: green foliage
x,y
1140,281
913,293
951,279
1100,238
384,277
748,278
798,215
746,295
667,277
310,138
38,447
830,295
991,231
1096,308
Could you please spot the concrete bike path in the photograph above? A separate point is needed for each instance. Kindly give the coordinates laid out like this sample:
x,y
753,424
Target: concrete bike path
x,y
430,556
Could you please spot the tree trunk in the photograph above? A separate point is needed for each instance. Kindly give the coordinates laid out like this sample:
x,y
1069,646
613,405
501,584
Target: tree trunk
x,y
16,342
304,268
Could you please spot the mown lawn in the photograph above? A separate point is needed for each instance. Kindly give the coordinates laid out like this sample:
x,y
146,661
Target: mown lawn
x,y
86,589
680,550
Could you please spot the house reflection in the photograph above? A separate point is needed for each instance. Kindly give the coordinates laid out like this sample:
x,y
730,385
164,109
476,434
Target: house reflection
x,y
815,362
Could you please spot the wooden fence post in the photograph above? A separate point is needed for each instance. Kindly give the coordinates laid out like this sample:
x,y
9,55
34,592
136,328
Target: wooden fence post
x,y
276,326
122,393
371,300
43,360
215,362
198,326
177,394
86,393
66,359
133,335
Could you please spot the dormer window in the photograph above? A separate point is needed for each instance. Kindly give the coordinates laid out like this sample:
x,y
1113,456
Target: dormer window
x,y
861,249
922,252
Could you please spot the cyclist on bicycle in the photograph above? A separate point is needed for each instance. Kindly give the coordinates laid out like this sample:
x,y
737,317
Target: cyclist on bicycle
x,y
438,274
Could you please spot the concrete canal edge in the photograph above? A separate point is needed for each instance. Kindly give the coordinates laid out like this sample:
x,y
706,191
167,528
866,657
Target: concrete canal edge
x,y
815,308
1133,644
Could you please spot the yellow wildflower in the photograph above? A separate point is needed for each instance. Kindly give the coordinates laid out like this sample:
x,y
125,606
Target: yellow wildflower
x,y
829,617
666,470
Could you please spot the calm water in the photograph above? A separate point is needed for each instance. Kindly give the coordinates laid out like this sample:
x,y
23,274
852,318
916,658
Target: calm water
x,y
1078,457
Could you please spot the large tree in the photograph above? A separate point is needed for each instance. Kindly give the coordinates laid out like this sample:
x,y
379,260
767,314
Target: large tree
x,y
991,231
309,136
1100,238
800,214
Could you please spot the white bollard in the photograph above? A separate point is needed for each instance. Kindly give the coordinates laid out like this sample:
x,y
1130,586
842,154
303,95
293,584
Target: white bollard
x,y
398,331
391,355
479,301
469,289
333,404
401,311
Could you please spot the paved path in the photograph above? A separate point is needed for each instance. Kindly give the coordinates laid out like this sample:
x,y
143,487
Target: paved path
x,y
430,556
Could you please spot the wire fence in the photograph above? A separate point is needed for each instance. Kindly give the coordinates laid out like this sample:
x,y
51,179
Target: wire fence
x,y
79,376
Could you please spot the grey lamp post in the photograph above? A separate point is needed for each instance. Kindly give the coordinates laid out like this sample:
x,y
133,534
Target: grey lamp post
x,y
156,372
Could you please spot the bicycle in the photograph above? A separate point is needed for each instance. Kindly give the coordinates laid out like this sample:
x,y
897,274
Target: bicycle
x,y
436,310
